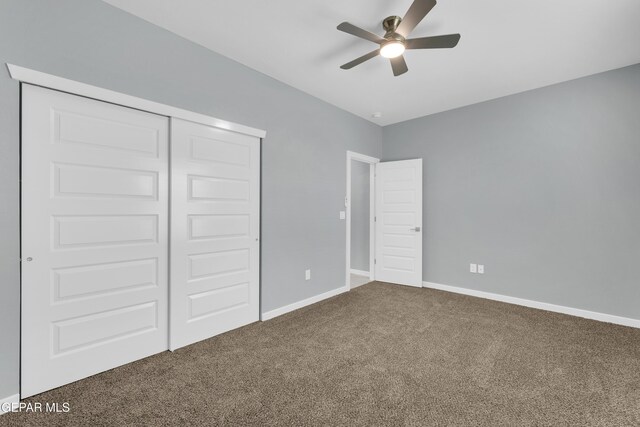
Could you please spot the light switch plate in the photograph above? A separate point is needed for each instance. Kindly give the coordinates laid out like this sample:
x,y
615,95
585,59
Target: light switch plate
x,y
307,275
480,269
473,268
343,214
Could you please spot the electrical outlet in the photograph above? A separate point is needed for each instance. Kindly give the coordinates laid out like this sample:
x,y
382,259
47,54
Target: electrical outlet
x,y
480,269
473,268
343,215
307,275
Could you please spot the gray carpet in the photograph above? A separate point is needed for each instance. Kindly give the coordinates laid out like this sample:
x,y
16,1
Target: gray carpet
x,y
379,355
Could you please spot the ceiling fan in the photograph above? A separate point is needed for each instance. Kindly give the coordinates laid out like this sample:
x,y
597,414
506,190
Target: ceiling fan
x,y
395,41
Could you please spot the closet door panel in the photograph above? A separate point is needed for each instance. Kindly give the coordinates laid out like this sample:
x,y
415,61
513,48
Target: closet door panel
x,y
215,231
94,237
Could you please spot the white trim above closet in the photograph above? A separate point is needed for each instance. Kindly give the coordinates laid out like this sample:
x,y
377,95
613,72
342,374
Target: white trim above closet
x,y
51,81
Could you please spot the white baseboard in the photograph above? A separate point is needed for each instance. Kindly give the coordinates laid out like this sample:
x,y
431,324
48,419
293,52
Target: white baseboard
x,y
360,272
608,318
8,401
305,302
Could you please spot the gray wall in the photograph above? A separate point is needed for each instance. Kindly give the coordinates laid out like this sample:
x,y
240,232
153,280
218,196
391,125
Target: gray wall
x,y
542,187
359,215
303,175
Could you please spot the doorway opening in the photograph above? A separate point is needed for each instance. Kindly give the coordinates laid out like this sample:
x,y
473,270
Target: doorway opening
x,y
360,204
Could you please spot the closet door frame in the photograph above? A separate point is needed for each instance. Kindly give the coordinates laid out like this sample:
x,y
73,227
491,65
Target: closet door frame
x,y
50,81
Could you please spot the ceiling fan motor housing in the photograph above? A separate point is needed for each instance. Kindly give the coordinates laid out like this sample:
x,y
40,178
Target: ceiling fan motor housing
x,y
390,24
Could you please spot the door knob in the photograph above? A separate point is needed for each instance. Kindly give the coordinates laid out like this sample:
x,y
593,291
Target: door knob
x,y
415,229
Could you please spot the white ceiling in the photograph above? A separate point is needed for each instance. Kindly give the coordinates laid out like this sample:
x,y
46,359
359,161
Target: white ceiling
x,y
507,46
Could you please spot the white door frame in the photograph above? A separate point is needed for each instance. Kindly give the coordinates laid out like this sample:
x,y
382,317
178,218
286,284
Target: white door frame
x,y
371,161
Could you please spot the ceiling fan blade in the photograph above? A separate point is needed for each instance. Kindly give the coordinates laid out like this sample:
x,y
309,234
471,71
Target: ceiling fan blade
x,y
359,32
416,13
436,42
360,60
399,65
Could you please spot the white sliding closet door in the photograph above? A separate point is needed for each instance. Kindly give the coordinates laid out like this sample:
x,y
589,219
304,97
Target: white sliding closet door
x,y
94,237
215,229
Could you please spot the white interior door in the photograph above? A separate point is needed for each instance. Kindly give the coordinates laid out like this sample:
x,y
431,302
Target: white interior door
x,y
399,222
215,230
94,237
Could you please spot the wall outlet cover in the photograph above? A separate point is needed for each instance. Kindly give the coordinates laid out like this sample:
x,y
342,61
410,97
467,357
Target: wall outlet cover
x,y
343,214
473,268
480,269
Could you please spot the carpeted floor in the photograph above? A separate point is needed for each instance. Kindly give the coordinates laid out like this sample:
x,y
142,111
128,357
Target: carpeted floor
x,y
379,355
